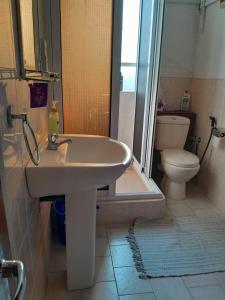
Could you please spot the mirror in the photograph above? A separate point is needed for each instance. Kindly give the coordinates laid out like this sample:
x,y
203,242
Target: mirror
x,y
31,30
28,10
7,64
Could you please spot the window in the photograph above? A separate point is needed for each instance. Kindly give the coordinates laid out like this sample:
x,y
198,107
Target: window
x,y
130,37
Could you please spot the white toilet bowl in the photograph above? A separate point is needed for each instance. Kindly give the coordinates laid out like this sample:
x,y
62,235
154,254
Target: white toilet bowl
x,y
179,166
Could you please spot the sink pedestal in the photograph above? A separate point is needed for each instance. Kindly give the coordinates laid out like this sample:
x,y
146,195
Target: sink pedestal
x,y
80,238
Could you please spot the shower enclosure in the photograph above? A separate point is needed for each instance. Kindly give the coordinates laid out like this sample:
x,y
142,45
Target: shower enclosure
x,y
141,100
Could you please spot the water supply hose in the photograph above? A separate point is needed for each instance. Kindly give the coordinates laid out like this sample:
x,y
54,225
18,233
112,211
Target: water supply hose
x,y
207,146
213,127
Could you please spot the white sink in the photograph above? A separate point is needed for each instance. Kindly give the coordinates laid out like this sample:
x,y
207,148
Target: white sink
x,y
77,170
88,162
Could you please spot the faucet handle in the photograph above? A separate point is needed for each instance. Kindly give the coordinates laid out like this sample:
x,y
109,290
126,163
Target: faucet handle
x,y
52,138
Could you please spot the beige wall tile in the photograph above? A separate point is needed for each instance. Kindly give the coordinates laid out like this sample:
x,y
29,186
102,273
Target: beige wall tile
x,y
171,90
28,224
208,98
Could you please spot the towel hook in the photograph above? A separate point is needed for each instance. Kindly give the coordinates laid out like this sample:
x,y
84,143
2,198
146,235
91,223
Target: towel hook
x,y
23,117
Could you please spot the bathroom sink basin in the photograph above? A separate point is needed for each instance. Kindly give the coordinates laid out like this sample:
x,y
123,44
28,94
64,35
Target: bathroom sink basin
x,y
88,162
77,170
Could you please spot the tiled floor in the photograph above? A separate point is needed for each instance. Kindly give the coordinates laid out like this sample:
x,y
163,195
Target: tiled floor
x,y
116,276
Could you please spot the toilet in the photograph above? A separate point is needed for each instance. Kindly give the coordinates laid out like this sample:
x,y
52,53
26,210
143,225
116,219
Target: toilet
x,y
179,165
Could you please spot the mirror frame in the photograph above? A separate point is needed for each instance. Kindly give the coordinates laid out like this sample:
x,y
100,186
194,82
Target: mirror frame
x,y
39,72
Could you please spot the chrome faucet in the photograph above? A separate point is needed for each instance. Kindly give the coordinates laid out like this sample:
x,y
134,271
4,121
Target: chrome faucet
x,y
52,142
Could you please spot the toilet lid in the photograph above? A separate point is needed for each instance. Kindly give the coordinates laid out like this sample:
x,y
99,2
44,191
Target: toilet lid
x,y
180,158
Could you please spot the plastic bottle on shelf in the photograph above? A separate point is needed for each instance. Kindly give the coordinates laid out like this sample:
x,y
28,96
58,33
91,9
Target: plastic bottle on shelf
x,y
185,101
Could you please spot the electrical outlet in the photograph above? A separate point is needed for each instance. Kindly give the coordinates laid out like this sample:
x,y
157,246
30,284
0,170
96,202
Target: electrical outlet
x,y
222,3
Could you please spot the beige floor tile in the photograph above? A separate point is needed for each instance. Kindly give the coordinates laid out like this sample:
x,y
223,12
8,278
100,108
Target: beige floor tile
x,y
128,281
57,260
212,292
57,290
102,247
207,212
198,202
147,296
220,277
60,293
199,280
193,190
180,210
170,289
122,256
117,236
104,269
174,202
101,291
57,278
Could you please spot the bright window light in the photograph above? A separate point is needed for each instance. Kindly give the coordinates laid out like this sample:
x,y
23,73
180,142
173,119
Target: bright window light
x,y
131,9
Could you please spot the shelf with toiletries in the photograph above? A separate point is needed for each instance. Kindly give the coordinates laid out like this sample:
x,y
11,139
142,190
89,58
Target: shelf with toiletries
x,y
42,76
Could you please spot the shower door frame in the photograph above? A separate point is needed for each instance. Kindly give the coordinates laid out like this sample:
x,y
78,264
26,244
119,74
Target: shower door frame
x,y
117,20
151,111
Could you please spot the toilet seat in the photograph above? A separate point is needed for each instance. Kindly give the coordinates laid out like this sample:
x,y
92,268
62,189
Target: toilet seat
x,y
180,158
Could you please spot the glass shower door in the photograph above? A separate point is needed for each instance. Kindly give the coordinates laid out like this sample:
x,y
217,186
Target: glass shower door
x,y
145,40
147,81
86,41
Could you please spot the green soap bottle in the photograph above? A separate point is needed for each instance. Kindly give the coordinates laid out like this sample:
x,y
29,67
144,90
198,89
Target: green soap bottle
x,y
53,123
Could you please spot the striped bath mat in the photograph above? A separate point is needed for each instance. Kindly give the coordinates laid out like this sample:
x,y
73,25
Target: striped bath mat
x,y
178,246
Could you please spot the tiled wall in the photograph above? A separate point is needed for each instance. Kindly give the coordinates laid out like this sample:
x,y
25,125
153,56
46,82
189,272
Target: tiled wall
x,y
180,32
27,220
209,99
171,90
